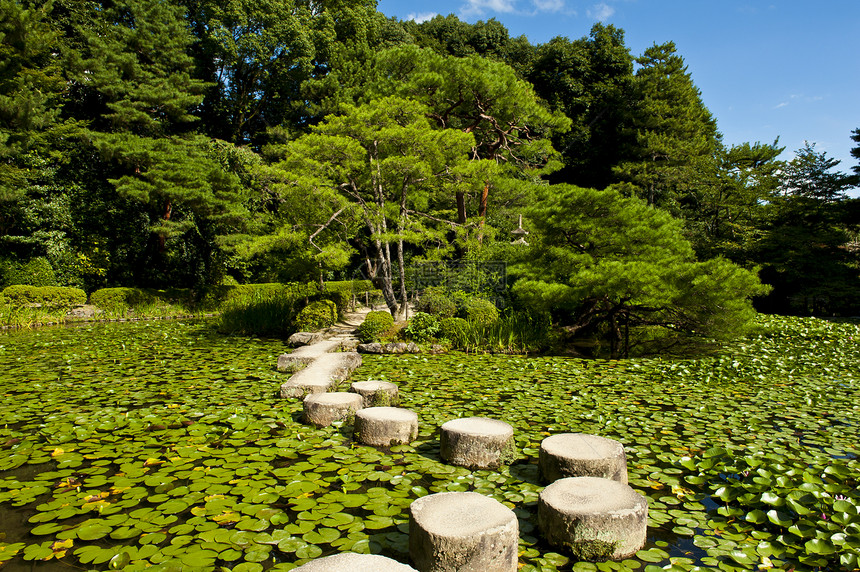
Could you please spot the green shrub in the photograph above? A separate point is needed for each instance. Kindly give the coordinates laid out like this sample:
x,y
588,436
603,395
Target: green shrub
x,y
36,272
374,325
438,302
478,310
340,297
316,316
422,327
119,299
452,328
47,296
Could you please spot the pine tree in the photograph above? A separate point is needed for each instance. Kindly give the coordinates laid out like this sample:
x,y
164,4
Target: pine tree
x,y
607,265
138,69
676,137
387,161
30,87
589,80
804,250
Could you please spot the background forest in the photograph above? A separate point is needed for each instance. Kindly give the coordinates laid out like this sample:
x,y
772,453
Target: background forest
x,y
192,143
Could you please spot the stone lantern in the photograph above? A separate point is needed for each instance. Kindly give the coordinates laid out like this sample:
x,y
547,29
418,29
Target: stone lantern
x,y
520,233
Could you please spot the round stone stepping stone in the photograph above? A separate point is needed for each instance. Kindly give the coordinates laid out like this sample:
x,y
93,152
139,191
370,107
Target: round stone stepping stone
x,y
477,442
322,409
351,562
451,532
582,455
385,426
377,393
597,519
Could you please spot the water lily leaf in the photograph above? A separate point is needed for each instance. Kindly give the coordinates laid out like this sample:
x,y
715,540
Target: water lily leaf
x,y
93,531
48,528
820,546
780,518
321,536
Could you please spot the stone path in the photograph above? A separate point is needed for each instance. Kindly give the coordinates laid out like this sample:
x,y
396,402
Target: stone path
x,y
323,365
588,473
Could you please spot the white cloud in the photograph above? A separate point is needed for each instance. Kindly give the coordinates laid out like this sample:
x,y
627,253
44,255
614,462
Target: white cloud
x,y
800,98
548,5
480,7
422,17
601,12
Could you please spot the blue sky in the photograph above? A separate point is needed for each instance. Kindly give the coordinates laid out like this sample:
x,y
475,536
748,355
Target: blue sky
x,y
766,69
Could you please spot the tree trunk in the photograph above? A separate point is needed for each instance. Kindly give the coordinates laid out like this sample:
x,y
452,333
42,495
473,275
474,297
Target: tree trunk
x,y
401,310
162,240
482,211
461,207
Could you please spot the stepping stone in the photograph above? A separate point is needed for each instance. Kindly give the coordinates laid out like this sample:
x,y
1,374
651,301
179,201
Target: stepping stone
x,y
322,374
459,532
322,409
351,562
385,426
582,455
306,354
304,339
477,442
377,393
597,519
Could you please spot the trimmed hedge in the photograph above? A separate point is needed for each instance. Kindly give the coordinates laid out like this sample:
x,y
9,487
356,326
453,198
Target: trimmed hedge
x,y
35,272
339,292
316,316
47,296
374,325
116,299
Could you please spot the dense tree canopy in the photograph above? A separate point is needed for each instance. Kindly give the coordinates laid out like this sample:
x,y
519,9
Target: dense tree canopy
x,y
185,142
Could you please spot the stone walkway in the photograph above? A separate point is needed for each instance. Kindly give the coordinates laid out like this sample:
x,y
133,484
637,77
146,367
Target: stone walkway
x,y
324,366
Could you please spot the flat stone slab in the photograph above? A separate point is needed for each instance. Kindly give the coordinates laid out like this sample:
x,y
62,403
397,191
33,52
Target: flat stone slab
x,y
351,562
582,455
377,393
306,354
385,426
322,374
477,442
304,339
462,532
597,519
322,409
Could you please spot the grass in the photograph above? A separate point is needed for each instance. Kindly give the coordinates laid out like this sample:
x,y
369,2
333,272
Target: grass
x,y
514,333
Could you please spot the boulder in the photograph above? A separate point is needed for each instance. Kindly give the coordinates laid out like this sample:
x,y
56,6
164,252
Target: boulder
x,y
389,348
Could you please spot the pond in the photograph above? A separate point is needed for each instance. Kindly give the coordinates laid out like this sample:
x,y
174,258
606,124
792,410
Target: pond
x,y
163,445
